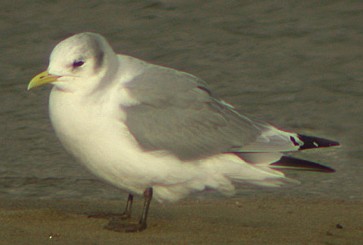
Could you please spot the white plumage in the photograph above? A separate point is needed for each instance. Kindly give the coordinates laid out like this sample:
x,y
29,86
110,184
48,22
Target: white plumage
x,y
138,125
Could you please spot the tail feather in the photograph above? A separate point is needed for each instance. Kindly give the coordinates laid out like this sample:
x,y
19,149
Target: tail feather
x,y
291,163
310,142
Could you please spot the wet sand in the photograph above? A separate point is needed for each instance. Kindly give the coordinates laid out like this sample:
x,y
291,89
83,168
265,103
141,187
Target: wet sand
x,y
235,221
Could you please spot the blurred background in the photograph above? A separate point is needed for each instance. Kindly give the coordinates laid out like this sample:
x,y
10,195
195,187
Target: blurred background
x,y
295,64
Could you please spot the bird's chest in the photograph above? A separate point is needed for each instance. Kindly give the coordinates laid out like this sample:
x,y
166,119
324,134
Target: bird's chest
x,y
85,127
72,117
97,137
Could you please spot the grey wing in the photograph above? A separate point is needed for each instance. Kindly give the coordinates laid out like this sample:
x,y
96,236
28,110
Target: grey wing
x,y
178,114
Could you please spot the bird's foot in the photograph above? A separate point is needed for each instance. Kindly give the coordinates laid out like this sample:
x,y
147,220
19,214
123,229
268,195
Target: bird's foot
x,y
117,225
101,215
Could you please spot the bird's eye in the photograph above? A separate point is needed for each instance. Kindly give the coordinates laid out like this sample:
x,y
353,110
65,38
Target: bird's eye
x,y
77,63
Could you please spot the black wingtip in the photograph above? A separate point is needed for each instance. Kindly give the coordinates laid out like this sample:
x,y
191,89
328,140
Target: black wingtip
x,y
315,142
291,163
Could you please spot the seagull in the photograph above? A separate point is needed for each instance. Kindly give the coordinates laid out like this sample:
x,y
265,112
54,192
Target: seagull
x,y
159,132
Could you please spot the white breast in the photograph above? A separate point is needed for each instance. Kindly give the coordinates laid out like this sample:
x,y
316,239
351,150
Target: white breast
x,y
96,136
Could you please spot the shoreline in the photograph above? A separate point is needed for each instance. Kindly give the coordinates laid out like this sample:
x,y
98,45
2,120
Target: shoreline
x,y
256,220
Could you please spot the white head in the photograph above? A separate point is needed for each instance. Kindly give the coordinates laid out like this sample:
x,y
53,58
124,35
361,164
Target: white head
x,y
76,62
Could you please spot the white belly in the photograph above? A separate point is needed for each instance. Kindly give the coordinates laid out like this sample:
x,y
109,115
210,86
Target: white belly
x,y
98,141
97,137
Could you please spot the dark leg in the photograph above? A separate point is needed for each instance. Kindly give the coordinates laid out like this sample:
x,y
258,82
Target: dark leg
x,y
127,213
148,195
117,225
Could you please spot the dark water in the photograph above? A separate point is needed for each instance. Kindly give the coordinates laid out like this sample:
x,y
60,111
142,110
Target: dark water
x,y
297,65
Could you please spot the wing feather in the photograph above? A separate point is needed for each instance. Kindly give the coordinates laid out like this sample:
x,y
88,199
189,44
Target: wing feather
x,y
177,113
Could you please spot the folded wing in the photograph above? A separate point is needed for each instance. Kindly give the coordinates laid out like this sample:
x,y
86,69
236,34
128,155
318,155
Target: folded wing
x,y
178,114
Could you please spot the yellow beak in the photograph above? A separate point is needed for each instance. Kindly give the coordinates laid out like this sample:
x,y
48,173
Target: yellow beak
x,y
41,79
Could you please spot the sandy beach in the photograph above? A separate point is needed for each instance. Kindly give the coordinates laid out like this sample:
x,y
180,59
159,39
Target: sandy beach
x,y
235,221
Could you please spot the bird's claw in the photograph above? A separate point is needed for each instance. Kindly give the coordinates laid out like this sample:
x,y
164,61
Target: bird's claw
x,y
116,225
